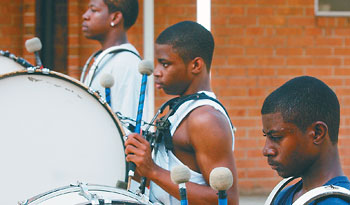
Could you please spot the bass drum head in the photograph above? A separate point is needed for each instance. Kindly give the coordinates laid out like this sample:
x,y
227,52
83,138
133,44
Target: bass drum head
x,y
53,133
73,195
9,65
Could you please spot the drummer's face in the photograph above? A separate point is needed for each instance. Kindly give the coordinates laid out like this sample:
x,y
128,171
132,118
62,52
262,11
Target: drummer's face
x,y
96,20
286,146
171,73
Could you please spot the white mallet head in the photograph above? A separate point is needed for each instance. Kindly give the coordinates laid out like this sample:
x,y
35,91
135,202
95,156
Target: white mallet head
x,y
221,178
107,80
33,45
180,174
146,67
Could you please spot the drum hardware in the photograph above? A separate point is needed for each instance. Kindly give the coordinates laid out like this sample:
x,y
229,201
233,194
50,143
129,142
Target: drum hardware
x,y
102,100
129,122
84,191
31,70
19,60
45,71
87,194
90,90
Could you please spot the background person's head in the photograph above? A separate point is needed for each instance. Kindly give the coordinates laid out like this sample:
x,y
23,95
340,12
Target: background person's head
x,y
300,122
129,9
304,100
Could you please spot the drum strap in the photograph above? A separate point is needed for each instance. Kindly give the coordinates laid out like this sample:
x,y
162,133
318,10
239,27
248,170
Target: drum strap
x,y
112,51
163,124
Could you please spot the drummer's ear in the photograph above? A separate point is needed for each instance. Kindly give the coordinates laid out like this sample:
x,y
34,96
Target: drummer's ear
x,y
198,65
320,132
116,17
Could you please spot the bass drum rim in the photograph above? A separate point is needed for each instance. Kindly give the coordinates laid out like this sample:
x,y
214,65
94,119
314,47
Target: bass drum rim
x,y
77,83
76,188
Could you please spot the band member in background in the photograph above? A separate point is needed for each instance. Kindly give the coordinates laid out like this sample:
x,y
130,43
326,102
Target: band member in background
x,y
107,21
301,123
200,134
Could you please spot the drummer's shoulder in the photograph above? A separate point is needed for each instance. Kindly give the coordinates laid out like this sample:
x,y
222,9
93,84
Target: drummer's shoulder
x,y
206,115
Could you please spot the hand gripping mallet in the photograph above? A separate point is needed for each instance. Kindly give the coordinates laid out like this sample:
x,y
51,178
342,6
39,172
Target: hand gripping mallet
x,y
146,69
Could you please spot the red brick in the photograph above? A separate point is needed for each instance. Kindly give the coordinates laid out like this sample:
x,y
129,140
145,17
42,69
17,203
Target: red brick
x,y
272,20
260,11
289,51
289,31
301,21
318,51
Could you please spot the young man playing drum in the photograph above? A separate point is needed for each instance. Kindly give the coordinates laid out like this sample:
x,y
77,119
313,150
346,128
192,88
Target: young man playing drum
x,y
301,123
107,21
201,136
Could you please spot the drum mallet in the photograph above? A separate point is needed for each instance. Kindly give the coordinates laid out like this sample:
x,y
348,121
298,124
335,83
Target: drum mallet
x,y
107,81
180,175
221,179
146,69
33,45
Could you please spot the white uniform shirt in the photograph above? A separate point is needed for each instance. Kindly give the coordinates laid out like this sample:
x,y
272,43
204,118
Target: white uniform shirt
x,y
125,92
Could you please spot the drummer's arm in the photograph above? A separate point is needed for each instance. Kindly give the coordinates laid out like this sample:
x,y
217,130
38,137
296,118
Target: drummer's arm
x,y
207,132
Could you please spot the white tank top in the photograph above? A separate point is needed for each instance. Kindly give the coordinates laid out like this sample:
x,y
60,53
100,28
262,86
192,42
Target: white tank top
x,y
167,160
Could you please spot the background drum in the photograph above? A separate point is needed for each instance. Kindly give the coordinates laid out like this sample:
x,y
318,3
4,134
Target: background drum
x,y
53,133
9,62
70,195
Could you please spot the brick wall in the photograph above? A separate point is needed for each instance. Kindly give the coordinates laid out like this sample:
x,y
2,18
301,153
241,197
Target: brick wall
x,y
17,24
259,45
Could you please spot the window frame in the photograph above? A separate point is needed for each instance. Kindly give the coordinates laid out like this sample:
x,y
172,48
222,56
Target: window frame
x,y
329,13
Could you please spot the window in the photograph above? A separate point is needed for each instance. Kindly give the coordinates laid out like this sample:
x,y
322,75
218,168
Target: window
x,y
332,7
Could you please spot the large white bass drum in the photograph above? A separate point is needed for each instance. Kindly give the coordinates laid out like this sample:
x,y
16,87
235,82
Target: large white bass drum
x,y
55,132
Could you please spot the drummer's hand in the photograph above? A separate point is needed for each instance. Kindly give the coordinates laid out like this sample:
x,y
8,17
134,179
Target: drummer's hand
x,y
138,150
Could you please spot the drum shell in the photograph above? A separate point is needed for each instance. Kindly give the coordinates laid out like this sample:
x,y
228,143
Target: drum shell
x,y
55,132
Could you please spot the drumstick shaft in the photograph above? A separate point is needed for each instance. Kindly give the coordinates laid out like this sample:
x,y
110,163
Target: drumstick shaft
x,y
132,165
141,104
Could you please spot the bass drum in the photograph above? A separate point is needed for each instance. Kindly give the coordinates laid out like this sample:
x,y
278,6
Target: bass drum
x,y
9,62
86,195
55,132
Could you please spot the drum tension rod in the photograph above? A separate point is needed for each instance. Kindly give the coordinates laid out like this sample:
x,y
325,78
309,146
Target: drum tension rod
x,y
84,191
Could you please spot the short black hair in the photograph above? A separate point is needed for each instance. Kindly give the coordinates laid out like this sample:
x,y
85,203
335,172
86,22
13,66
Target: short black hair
x,y
129,9
303,101
190,40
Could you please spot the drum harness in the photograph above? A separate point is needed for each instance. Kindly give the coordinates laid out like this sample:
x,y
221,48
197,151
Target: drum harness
x,y
99,55
163,125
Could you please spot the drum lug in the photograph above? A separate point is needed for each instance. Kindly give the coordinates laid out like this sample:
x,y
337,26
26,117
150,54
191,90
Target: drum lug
x,y
84,191
31,69
144,198
23,202
45,71
102,100
91,91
